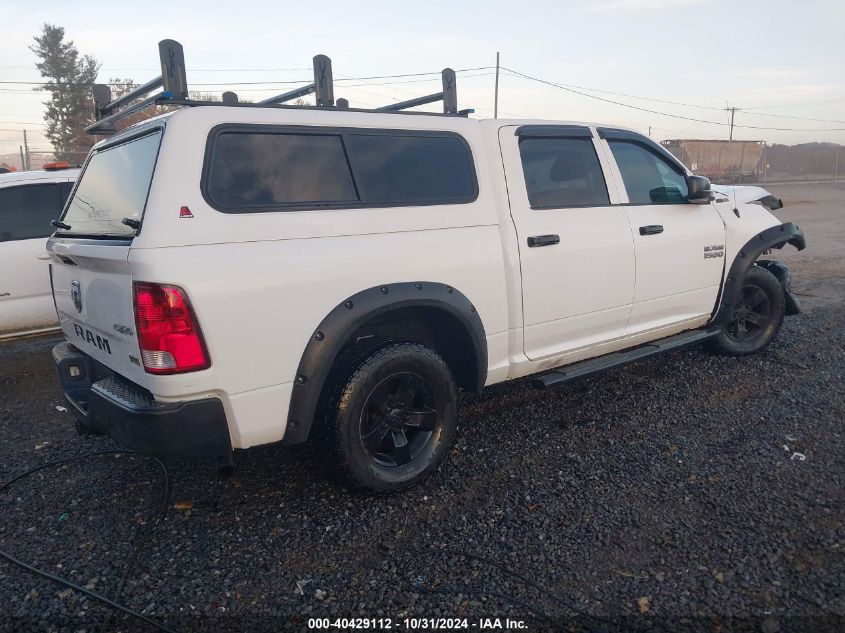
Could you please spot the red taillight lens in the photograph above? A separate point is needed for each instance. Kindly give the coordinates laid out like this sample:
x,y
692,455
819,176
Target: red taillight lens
x,y
168,332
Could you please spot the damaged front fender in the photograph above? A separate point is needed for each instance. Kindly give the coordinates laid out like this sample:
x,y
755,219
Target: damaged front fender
x,y
784,276
773,237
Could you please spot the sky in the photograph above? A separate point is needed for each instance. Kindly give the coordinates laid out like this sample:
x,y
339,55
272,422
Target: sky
x,y
780,62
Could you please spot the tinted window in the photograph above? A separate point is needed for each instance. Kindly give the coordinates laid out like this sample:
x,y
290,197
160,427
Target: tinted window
x,y
390,168
64,190
267,170
26,211
648,178
260,170
113,186
562,172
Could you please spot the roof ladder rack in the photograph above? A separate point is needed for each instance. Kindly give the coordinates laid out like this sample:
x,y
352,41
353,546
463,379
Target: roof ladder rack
x,y
171,89
172,80
449,96
323,86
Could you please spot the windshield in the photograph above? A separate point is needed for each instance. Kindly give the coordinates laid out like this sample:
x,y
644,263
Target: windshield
x,y
113,187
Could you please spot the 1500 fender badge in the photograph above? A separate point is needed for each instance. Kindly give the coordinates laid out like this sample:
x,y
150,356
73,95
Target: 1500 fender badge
x,y
714,250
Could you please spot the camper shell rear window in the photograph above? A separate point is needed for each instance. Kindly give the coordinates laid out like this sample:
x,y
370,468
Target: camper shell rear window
x,y
255,168
113,187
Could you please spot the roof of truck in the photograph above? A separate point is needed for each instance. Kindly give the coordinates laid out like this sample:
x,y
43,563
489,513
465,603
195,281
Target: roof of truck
x,y
244,113
58,175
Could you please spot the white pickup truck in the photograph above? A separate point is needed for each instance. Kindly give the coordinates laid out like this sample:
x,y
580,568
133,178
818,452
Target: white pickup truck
x,y
29,200
228,276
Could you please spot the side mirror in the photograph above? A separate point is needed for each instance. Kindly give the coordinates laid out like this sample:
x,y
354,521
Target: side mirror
x,y
699,190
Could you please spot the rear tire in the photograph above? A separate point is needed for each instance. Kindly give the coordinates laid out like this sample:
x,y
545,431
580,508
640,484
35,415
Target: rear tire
x,y
390,417
757,315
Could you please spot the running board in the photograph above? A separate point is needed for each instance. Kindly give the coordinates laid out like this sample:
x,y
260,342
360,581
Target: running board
x,y
618,359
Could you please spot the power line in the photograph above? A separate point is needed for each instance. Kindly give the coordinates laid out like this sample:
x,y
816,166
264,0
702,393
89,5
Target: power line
x,y
704,107
786,116
675,116
201,70
256,83
795,105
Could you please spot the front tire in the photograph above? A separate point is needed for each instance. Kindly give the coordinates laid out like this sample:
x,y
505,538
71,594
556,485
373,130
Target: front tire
x,y
757,316
390,417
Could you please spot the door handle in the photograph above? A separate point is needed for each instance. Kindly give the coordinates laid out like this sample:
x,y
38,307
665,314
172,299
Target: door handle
x,y
543,240
43,256
651,229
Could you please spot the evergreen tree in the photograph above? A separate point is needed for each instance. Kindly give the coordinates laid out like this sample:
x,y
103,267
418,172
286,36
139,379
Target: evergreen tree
x,y
69,77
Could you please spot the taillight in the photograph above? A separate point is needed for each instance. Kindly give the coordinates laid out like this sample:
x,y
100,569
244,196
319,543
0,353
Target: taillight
x,y
168,332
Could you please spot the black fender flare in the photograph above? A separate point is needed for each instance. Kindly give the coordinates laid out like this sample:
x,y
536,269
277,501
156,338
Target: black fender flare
x,y
334,331
773,237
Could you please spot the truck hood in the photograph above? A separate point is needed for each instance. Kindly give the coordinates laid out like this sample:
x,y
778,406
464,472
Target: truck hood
x,y
747,194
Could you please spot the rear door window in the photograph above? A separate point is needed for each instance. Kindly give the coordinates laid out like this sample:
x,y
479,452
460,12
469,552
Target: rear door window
x,y
253,168
26,211
113,187
562,172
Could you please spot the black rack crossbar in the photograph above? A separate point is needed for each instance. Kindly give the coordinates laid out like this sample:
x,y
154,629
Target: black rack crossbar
x,y
152,84
411,103
172,79
289,96
104,125
174,92
449,97
322,88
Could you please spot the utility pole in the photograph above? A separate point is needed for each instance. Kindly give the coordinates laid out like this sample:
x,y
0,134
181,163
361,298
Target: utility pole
x,y
23,162
836,165
496,94
765,161
26,152
733,112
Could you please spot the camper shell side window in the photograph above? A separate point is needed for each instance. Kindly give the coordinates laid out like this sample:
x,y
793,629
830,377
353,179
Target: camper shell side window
x,y
260,168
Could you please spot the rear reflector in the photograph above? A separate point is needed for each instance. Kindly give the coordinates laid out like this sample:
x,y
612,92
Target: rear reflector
x,y
168,332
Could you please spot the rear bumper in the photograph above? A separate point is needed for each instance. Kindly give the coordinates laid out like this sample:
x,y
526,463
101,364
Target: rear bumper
x,y
103,402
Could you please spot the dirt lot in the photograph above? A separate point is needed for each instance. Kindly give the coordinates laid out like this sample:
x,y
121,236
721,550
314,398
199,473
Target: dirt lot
x,y
689,492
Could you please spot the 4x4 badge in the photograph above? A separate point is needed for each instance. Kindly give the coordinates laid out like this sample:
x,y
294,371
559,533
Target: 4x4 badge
x,y
76,295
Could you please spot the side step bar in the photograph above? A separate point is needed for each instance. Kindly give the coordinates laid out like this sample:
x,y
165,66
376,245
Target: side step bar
x,y
618,359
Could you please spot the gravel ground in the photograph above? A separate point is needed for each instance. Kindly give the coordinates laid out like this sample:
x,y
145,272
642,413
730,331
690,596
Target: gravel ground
x,y
688,492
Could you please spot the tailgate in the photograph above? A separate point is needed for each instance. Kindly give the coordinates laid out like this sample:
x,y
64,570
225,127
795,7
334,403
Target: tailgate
x,y
92,283
92,286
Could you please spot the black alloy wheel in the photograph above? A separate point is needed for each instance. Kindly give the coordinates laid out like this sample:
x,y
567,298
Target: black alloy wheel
x,y
390,416
757,316
751,316
398,419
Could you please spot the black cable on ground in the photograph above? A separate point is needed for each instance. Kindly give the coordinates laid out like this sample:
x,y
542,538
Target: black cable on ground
x,y
542,589
112,603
